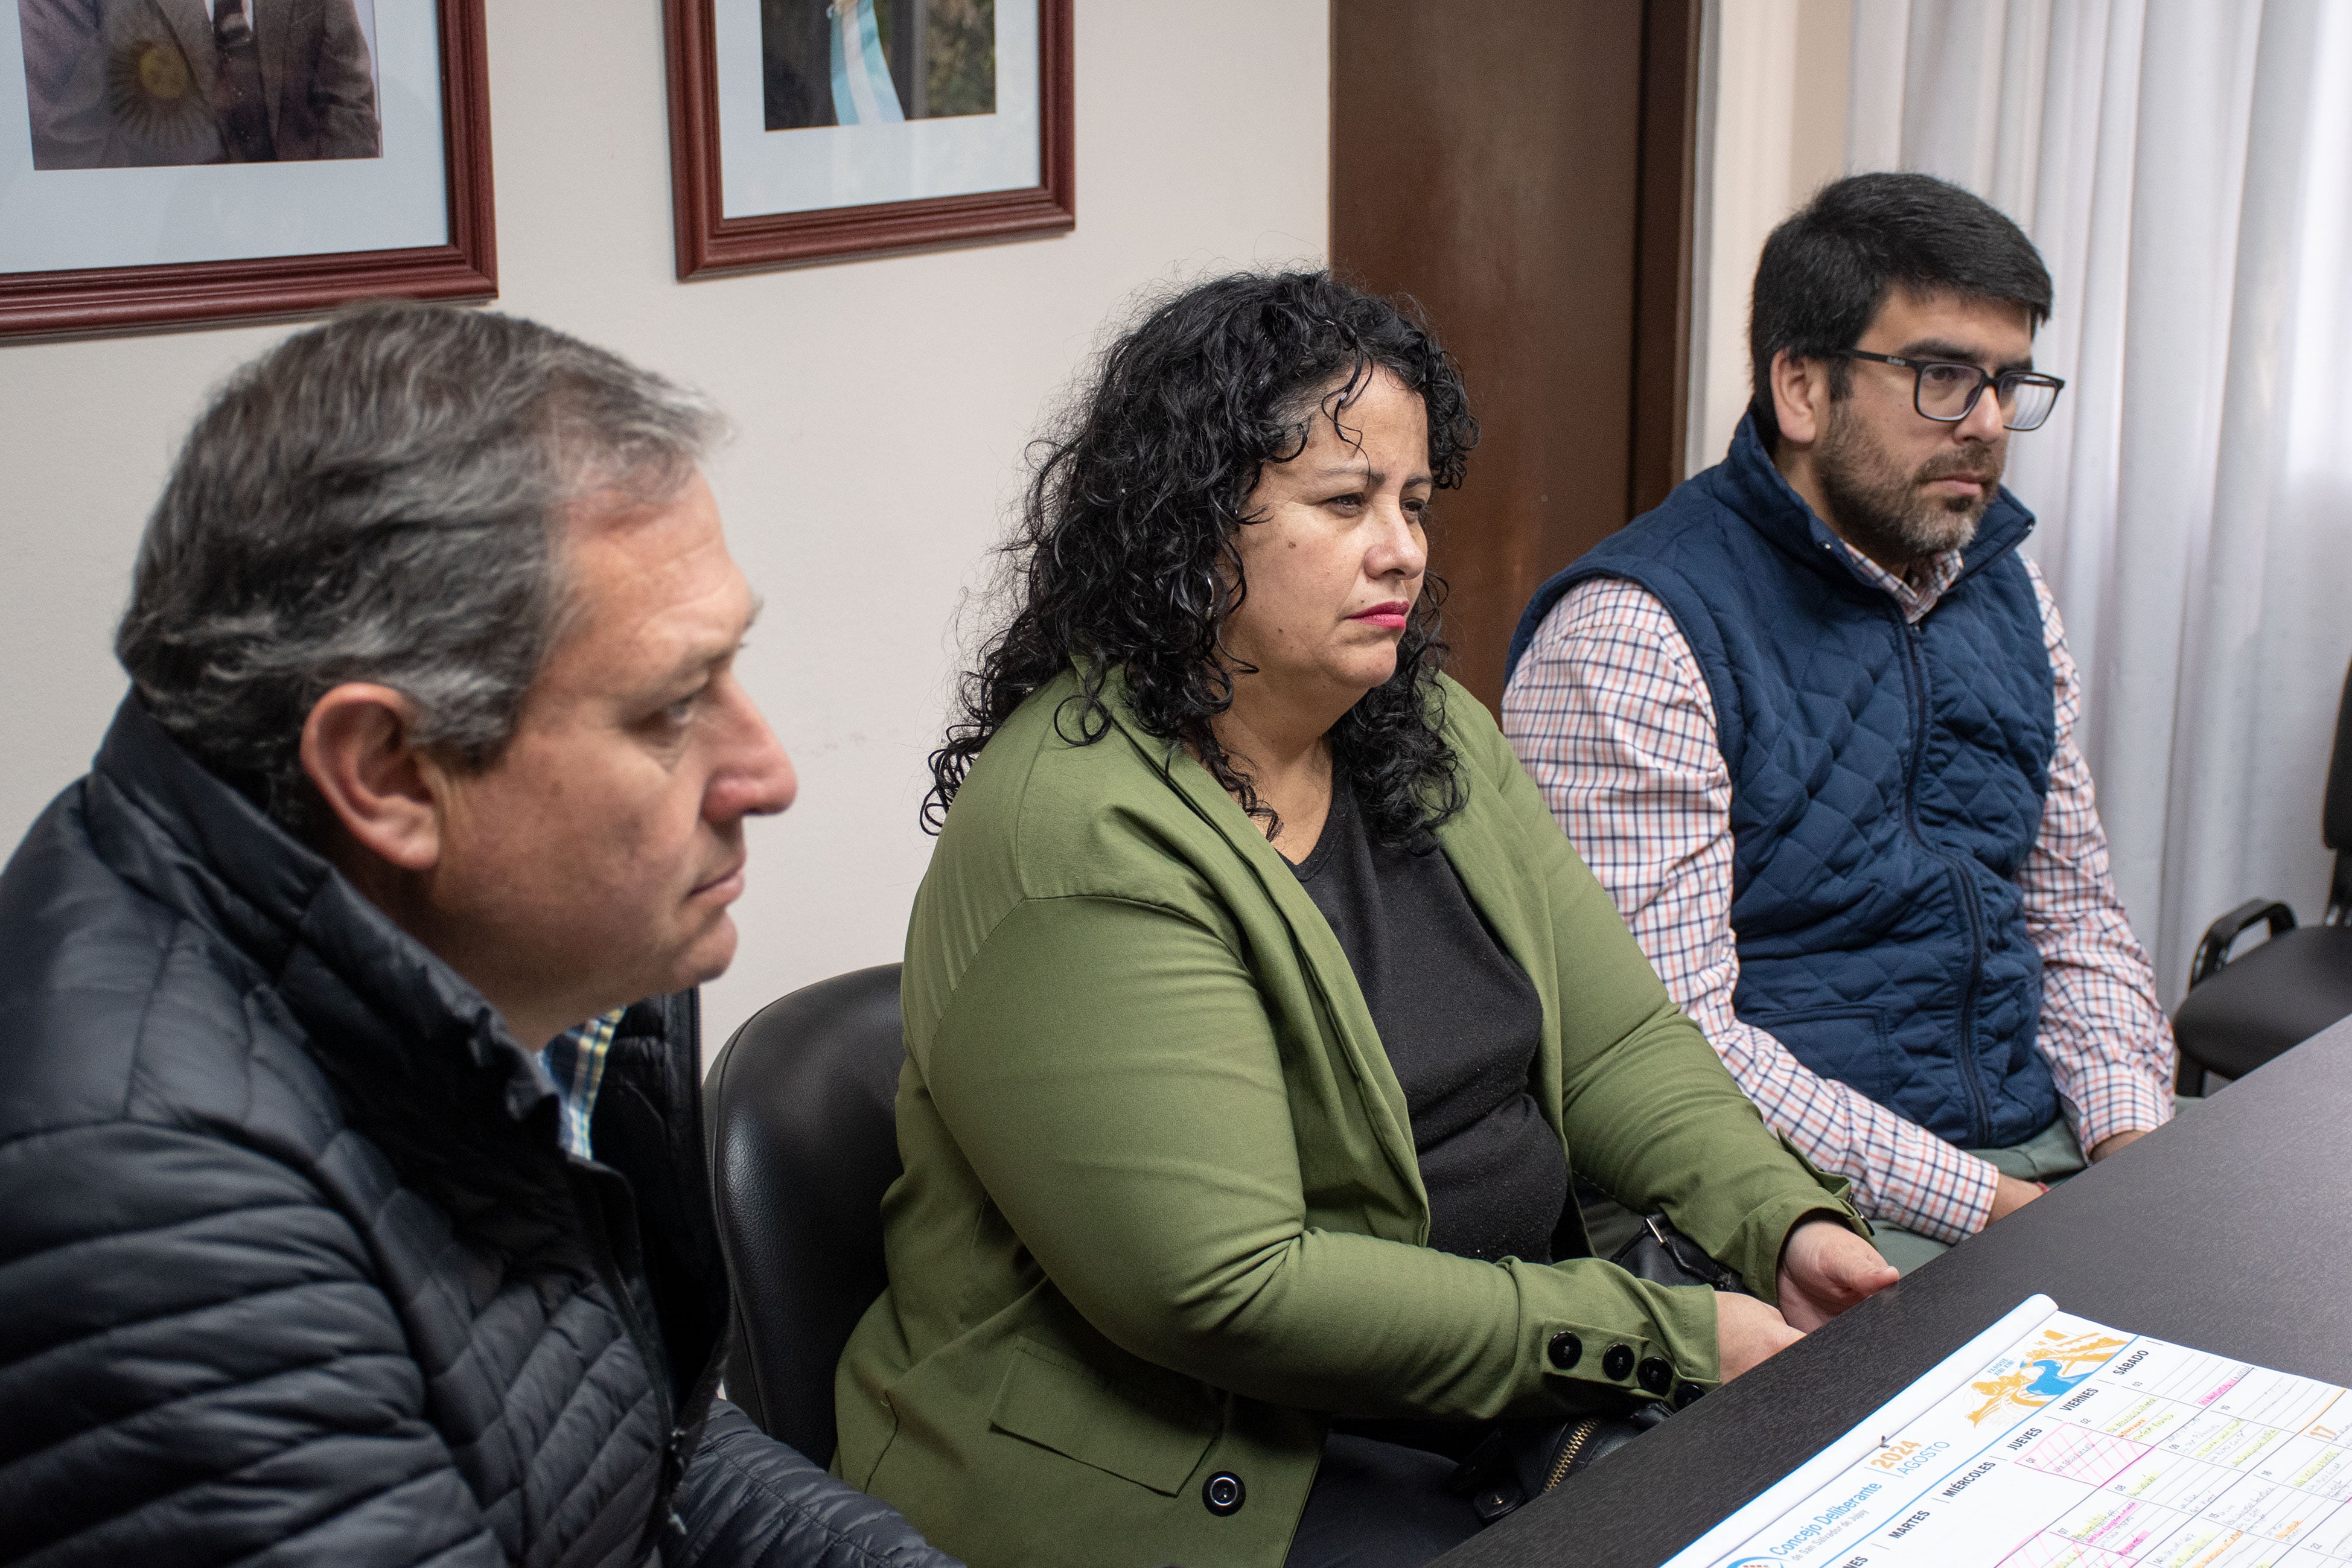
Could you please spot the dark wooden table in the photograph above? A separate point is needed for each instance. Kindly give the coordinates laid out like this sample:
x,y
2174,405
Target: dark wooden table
x,y
2229,1230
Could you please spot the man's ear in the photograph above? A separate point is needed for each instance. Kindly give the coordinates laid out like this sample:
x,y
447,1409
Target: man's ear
x,y
1801,397
358,749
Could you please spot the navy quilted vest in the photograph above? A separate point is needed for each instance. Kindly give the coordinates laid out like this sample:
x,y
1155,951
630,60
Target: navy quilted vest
x,y
1887,786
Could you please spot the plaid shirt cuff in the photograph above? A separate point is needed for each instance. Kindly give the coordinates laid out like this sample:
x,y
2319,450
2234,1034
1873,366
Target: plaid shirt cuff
x,y
2112,1098
1935,1188
1902,1173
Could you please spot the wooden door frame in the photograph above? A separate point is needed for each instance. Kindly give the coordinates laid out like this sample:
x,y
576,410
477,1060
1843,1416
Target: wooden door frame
x,y
1669,195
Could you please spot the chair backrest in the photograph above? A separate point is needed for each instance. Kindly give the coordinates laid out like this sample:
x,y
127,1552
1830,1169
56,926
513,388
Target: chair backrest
x,y
803,1144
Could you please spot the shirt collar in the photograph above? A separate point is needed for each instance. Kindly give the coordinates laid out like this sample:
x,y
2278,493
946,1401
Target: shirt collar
x,y
1934,578
574,1064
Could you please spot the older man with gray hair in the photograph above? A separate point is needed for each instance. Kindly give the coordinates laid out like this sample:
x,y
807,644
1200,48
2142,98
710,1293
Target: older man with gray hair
x,y
352,1205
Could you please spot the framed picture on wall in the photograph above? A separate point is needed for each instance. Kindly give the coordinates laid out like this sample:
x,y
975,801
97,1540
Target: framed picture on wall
x,y
816,130
169,162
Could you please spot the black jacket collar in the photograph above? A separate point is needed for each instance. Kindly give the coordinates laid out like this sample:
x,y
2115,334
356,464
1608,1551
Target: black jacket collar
x,y
356,983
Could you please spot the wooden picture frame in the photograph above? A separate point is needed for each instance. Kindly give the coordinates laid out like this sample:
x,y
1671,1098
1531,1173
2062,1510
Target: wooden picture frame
x,y
102,299
711,243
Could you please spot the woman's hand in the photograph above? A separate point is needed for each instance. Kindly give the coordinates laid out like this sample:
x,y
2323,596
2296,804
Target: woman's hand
x,y
1746,1330
1825,1269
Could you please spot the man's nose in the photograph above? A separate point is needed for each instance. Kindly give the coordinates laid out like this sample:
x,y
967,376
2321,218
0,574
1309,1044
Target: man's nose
x,y
1986,421
756,778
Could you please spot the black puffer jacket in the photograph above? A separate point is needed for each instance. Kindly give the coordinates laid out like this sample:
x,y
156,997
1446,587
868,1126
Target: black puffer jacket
x,y
292,1266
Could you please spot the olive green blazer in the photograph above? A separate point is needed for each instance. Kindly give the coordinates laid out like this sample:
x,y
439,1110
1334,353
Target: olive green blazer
x,y
1162,1215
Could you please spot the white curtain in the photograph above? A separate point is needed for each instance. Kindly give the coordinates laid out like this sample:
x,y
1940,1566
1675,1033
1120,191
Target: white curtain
x,y
2185,167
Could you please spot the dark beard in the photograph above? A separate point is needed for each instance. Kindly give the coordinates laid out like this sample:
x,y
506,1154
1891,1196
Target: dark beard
x,y
1880,512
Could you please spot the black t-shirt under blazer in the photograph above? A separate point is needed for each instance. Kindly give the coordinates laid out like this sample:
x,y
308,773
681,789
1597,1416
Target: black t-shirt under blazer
x,y
1461,1022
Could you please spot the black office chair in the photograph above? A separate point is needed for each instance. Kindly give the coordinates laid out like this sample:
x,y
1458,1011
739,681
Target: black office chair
x,y
803,1143
2238,1015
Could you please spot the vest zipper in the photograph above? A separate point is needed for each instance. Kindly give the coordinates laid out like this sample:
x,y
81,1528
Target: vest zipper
x,y
1975,906
1971,1072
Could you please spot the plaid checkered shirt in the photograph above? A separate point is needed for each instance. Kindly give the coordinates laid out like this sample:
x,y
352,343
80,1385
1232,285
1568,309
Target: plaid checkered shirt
x,y
1611,714
574,1061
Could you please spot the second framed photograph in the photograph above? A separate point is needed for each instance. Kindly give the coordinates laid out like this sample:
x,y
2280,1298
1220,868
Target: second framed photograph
x,y
806,130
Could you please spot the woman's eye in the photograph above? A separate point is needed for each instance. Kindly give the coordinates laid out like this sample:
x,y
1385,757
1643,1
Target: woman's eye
x,y
1350,502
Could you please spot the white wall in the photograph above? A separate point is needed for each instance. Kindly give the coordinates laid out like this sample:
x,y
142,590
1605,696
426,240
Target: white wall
x,y
883,406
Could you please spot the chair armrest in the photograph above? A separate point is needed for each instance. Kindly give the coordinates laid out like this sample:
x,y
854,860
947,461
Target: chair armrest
x,y
2214,951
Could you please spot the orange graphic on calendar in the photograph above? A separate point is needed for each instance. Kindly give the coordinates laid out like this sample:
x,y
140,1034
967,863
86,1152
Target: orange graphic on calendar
x,y
2043,1371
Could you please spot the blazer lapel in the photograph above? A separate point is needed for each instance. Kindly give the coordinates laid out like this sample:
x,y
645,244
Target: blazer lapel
x,y
1326,964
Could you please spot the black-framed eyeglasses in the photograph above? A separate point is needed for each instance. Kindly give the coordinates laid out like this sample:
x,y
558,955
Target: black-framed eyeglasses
x,y
1948,391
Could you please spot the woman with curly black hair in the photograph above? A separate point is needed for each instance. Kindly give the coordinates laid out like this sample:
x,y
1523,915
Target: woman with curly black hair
x,y
1256,1012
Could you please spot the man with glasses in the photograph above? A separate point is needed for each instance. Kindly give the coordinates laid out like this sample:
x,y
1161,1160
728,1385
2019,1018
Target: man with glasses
x,y
1810,721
